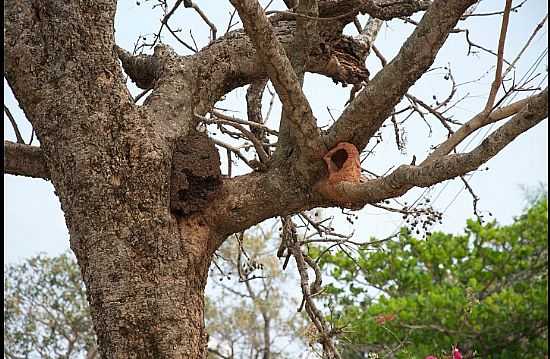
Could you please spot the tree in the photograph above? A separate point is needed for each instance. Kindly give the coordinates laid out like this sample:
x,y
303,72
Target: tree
x,y
47,315
258,318
140,185
485,290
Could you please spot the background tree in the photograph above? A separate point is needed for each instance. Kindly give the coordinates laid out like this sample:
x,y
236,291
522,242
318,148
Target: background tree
x,y
485,290
145,202
258,318
47,315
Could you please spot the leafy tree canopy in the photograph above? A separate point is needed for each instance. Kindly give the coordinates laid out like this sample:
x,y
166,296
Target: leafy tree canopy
x,y
484,291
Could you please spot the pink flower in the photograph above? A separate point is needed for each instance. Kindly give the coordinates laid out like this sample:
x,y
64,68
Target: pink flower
x,y
430,357
457,354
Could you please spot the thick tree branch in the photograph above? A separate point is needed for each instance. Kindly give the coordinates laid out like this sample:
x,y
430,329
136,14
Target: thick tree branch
x,y
364,116
345,11
24,160
387,10
305,39
246,200
443,168
280,71
232,61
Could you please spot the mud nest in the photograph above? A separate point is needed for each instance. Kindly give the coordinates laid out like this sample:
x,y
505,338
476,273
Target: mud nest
x,y
196,174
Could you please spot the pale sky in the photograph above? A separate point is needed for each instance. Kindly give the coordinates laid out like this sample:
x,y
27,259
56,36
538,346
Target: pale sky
x,y
34,222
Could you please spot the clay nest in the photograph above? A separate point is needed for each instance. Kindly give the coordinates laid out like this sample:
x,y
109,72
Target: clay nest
x,y
343,166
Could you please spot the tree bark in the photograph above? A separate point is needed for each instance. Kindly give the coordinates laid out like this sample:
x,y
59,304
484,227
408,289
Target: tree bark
x,y
110,162
149,302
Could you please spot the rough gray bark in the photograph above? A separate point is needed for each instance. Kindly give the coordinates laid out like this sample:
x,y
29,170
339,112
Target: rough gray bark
x,y
131,179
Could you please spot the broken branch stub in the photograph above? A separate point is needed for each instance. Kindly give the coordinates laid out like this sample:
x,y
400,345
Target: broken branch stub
x,y
343,166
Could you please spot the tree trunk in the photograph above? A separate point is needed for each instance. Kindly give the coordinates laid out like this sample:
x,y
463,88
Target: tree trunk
x,y
145,267
146,287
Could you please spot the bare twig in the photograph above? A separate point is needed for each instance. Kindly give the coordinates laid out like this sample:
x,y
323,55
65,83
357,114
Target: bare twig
x,y
14,125
219,116
173,32
515,8
230,24
194,6
475,198
235,151
472,44
308,291
194,42
537,28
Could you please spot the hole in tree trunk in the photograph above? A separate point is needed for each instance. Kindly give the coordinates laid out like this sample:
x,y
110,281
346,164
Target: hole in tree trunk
x,y
339,158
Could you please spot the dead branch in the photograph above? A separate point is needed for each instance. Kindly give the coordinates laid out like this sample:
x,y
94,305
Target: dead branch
x,y
174,33
471,44
194,6
475,198
235,151
258,146
324,333
220,117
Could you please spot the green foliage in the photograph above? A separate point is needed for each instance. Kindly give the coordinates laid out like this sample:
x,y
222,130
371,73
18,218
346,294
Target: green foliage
x,y
485,291
45,310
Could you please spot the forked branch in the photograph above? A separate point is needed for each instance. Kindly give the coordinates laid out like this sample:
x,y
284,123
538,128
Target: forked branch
x,y
367,112
279,69
443,168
